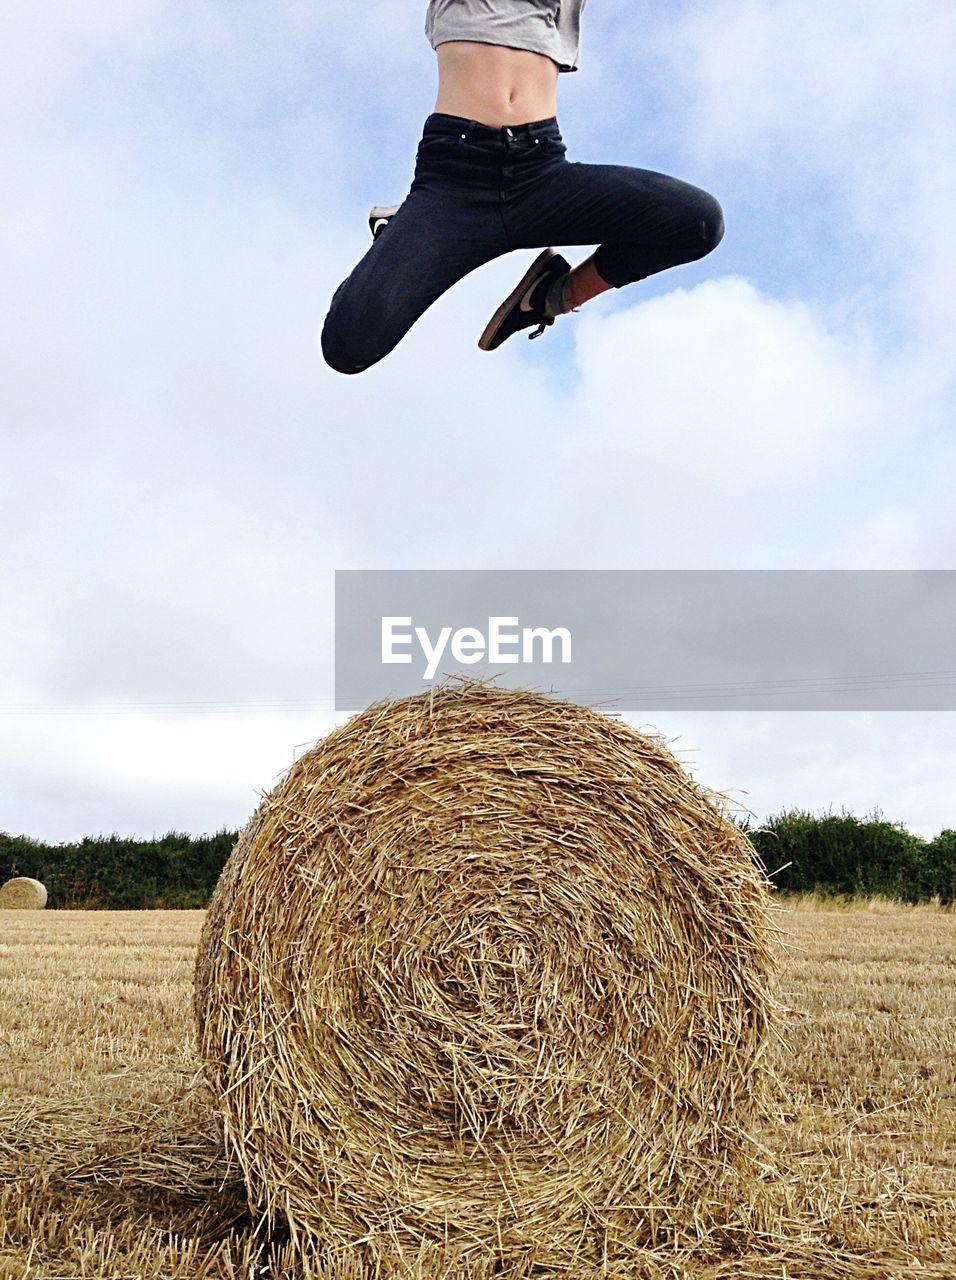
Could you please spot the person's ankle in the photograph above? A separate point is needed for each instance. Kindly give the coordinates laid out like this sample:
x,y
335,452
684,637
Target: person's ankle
x,y
557,300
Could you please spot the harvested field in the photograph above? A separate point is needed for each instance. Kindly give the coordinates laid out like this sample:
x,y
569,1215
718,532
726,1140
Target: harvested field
x,y
110,1165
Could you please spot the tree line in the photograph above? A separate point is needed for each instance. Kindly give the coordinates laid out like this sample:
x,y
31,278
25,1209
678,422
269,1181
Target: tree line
x,y
828,854
175,870
841,854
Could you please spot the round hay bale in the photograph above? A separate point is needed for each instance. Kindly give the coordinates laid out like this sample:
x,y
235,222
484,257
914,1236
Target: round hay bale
x,y
23,894
487,973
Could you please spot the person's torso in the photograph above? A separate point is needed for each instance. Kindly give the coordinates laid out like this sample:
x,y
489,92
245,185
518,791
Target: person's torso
x,y
550,27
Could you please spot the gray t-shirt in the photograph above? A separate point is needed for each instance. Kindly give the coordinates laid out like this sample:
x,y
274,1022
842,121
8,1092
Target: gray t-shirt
x,y
551,27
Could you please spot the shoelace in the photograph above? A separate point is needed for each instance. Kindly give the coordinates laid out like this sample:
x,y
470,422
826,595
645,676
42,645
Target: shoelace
x,y
544,323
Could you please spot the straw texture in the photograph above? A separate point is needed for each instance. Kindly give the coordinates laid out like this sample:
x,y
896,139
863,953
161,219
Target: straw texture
x,y
486,977
23,894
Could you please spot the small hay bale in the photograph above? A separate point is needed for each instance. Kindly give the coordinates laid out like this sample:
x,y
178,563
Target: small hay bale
x,y
23,894
486,974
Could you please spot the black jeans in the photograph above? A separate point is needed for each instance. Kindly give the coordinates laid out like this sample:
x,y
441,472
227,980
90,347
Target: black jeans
x,y
480,192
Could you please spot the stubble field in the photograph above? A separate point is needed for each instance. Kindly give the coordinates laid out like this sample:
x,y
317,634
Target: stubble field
x,y
110,1162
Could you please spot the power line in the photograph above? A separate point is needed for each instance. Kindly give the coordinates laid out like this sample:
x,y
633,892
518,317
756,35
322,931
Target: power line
x,y
783,687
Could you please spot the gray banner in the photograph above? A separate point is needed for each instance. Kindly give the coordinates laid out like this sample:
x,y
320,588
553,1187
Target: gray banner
x,y
755,640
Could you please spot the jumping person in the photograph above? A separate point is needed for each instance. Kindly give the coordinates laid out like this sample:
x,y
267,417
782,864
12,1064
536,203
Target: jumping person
x,y
491,176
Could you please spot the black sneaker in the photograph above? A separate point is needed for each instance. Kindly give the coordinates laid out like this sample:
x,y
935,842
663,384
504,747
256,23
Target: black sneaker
x,y
380,215
524,306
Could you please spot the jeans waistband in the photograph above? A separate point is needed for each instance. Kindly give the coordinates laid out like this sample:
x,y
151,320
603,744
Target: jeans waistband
x,y
440,125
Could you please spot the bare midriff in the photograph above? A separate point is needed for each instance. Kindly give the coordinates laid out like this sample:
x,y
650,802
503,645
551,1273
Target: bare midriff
x,y
494,85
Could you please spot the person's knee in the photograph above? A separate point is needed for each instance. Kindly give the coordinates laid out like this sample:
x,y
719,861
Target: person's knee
x,y
710,225
340,361
336,352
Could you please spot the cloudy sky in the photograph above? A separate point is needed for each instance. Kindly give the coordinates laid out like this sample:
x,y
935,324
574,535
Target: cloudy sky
x,y
184,186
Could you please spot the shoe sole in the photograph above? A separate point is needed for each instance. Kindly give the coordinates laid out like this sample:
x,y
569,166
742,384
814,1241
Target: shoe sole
x,y
495,323
380,215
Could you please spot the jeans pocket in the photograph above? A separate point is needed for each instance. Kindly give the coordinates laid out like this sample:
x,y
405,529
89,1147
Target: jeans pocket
x,y
440,159
440,142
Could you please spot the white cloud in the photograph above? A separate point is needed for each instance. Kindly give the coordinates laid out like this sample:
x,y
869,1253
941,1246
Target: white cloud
x,y
144,775
894,762
719,427
856,95
185,188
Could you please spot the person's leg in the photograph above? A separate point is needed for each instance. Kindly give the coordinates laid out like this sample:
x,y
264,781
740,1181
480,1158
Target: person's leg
x,y
644,222
584,283
449,224
428,245
666,223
